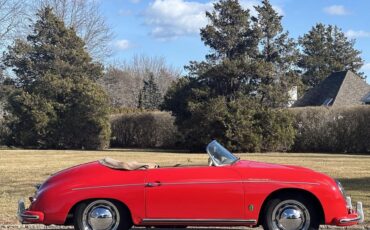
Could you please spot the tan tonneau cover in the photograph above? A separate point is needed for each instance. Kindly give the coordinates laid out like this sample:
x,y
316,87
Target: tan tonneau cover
x,y
132,165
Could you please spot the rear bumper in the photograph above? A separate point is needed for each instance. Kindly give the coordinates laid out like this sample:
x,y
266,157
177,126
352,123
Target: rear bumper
x,y
27,216
354,216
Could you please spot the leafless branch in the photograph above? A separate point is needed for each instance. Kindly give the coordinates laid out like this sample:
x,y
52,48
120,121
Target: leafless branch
x,y
124,81
86,18
12,20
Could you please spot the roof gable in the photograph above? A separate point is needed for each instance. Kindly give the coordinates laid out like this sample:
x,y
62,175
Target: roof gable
x,y
338,89
352,91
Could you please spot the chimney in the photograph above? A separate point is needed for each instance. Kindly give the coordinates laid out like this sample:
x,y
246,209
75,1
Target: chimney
x,y
293,95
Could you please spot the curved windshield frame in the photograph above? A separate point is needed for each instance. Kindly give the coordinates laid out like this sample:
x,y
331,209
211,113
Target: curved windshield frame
x,y
220,155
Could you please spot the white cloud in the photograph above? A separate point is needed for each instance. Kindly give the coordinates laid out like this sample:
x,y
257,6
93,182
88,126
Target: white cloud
x,y
357,34
122,44
174,18
170,19
366,67
336,10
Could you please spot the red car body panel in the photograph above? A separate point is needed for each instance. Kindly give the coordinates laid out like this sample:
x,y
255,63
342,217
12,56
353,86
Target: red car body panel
x,y
232,192
205,193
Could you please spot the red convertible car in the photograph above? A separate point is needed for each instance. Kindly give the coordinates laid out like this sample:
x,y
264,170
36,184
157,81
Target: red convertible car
x,y
109,194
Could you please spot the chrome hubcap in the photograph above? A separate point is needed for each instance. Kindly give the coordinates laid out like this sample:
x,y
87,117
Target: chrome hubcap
x,y
100,215
290,215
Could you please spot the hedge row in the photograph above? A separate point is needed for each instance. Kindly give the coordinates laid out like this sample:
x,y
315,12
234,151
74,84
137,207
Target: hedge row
x,y
318,129
332,129
144,130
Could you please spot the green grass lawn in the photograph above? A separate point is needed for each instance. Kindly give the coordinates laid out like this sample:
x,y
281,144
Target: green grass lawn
x,y
21,169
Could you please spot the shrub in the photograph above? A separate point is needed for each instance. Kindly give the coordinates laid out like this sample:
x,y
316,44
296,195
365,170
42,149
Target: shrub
x,y
144,129
332,129
241,125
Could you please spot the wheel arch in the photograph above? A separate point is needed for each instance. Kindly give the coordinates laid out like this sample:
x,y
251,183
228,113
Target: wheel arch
x,y
70,215
293,192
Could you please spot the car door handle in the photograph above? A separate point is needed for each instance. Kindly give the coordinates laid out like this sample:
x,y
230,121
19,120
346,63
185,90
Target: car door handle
x,y
153,184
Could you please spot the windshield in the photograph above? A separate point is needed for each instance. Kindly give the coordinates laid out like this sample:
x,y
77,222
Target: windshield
x,y
219,155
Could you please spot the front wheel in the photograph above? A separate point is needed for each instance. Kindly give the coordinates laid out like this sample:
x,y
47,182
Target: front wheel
x,y
294,213
101,215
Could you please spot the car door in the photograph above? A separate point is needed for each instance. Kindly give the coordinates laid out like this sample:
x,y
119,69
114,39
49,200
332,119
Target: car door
x,y
194,193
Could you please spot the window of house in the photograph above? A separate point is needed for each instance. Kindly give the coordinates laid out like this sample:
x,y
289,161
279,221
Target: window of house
x,y
327,101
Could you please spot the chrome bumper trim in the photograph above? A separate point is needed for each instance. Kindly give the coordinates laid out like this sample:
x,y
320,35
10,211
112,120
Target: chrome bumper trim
x,y
30,217
22,218
21,209
349,202
347,220
360,212
360,218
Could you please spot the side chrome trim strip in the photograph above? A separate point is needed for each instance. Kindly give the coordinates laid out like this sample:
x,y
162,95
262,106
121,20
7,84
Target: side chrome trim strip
x,y
108,186
282,182
204,182
200,221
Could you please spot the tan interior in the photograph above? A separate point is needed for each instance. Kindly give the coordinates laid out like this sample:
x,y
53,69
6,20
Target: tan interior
x,y
133,165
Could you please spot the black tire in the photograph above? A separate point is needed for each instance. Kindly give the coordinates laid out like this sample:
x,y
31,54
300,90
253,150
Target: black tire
x,y
120,216
277,208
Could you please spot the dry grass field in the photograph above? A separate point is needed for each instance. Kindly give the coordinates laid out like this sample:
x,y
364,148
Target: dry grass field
x,y
21,169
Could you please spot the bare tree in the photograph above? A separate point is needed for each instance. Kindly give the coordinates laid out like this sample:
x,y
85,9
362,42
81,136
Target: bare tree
x,y
122,88
142,66
86,18
125,80
12,20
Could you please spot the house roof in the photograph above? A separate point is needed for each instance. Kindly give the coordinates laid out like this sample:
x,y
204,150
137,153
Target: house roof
x,y
338,89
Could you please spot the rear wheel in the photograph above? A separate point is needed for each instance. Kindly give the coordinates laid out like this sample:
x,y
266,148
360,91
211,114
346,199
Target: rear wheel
x,y
290,213
102,215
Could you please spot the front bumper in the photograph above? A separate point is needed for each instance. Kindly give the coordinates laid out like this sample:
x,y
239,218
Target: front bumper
x,y
353,217
26,216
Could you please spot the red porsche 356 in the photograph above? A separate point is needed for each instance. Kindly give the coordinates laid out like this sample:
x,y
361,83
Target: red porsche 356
x,y
109,194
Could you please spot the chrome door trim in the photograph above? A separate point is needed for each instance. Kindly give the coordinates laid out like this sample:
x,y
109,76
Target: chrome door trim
x,y
240,181
203,182
107,186
199,221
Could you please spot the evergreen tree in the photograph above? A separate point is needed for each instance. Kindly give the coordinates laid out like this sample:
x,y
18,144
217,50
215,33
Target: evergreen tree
x,y
233,40
278,55
326,49
230,33
225,96
150,97
57,102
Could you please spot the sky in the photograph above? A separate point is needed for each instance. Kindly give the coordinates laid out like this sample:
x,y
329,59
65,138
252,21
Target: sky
x,y
170,28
